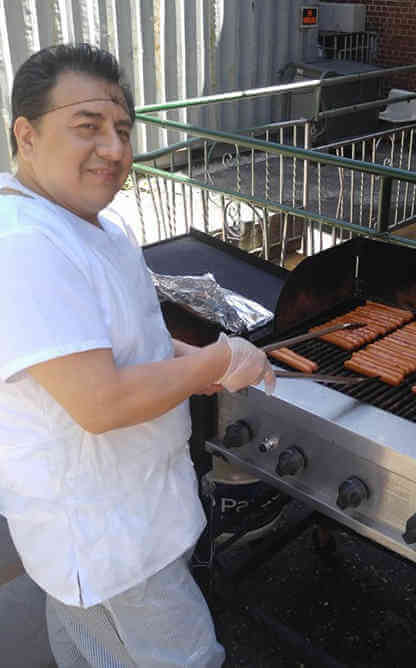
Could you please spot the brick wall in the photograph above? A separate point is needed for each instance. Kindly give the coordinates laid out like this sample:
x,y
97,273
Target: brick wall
x,y
395,23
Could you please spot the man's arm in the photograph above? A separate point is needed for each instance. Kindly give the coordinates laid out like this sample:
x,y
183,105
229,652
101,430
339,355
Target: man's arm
x,y
181,348
100,396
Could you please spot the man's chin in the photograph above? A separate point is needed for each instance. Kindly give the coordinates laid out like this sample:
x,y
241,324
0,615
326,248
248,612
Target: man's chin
x,y
99,203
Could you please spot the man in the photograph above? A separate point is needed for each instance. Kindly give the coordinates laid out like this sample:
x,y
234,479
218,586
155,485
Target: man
x,y
96,479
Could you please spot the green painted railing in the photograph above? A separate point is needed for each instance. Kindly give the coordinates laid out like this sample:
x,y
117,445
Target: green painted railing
x,y
387,174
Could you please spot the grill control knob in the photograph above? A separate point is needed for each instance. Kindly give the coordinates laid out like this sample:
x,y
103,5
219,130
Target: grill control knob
x,y
237,434
269,443
351,493
291,461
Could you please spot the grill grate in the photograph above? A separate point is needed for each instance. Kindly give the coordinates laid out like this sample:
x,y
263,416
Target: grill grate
x,y
399,400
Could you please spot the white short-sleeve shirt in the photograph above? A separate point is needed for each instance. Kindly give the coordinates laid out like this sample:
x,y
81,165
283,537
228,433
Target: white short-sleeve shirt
x,y
90,515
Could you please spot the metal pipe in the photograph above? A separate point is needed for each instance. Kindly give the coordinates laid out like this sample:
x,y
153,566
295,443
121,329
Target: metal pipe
x,y
363,106
402,69
276,206
282,149
273,90
197,141
305,198
384,205
372,135
160,152
229,97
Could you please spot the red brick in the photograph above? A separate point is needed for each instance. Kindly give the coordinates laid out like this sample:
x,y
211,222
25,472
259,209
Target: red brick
x,y
395,23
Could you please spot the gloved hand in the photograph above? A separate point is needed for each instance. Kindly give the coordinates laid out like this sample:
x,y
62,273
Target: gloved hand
x,y
248,366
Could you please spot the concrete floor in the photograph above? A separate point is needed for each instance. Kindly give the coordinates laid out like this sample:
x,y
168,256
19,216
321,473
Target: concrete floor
x,y
409,231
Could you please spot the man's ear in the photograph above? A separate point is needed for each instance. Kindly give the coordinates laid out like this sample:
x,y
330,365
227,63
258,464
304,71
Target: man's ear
x,y
25,134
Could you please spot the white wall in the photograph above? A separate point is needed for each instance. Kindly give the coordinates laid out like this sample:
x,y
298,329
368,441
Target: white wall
x,y
169,49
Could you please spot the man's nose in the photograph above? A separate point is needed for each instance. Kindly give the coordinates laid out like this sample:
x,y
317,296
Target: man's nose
x,y
110,145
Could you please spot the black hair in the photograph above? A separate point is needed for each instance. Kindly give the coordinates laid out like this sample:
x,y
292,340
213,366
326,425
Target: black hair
x,y
38,75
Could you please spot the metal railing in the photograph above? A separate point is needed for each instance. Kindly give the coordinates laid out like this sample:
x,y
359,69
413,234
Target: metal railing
x,y
395,147
358,46
267,194
218,165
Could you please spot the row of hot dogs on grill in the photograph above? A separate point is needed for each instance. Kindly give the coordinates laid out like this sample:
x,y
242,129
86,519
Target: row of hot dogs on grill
x,y
388,337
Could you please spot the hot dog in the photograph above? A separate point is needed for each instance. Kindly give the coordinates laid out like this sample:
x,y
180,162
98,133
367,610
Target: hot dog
x,y
294,360
390,348
408,315
386,321
339,340
399,340
406,333
382,363
368,369
370,327
383,359
398,346
380,320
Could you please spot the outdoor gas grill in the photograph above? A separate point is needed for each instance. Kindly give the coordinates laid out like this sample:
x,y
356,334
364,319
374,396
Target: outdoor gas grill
x,y
347,451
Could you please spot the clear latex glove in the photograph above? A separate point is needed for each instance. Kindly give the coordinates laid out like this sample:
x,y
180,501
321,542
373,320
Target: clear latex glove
x,y
248,366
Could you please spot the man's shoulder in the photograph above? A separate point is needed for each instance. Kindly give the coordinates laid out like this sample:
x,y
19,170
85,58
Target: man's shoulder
x,y
28,225
16,203
20,214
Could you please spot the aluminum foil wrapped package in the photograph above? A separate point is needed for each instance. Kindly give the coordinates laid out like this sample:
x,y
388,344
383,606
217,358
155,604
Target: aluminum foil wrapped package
x,y
205,297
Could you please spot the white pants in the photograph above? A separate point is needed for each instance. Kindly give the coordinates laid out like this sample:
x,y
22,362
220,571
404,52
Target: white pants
x,y
163,622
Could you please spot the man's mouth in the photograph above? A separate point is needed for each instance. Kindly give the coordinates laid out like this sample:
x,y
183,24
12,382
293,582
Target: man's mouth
x,y
104,171
108,175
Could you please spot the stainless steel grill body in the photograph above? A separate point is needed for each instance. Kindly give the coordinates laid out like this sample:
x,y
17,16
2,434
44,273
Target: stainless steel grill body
x,y
339,438
364,433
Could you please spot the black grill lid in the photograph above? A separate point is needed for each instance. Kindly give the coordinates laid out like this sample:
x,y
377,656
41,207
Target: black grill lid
x,y
360,268
388,272
316,286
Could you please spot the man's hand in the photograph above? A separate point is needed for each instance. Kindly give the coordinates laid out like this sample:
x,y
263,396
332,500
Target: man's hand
x,y
248,366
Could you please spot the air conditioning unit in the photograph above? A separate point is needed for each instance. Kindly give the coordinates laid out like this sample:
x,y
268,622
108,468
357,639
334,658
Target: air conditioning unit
x,y
302,104
345,17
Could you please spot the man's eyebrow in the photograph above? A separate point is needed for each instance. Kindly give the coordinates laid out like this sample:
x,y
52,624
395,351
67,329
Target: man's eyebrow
x,y
96,115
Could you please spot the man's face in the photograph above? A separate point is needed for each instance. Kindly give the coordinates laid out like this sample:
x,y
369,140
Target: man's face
x,y
79,153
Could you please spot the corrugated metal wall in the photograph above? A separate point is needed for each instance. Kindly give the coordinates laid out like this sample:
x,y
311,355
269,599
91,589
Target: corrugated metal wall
x,y
169,49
